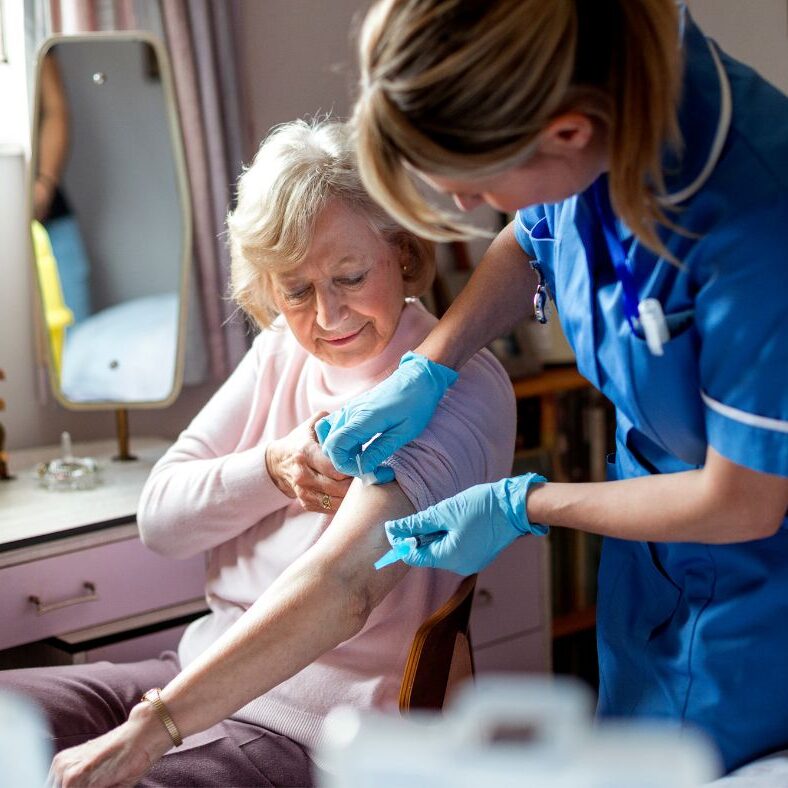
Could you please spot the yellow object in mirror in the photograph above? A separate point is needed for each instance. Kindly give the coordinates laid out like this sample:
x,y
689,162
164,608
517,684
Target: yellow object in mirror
x,y
57,315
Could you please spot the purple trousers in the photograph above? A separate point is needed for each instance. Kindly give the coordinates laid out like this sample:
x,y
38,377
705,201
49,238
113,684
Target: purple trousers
x,y
83,701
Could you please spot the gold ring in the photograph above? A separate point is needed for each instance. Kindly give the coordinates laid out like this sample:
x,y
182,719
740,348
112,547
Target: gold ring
x,y
325,501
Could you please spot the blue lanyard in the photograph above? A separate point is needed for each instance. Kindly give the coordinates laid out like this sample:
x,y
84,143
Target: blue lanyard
x,y
615,248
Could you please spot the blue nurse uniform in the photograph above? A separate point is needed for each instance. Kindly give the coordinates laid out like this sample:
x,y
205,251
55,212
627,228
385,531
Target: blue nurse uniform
x,y
693,632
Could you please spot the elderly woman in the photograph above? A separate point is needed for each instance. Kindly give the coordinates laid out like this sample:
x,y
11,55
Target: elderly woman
x,y
300,621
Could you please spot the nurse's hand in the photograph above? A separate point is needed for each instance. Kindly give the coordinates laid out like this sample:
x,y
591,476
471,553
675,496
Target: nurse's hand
x,y
300,470
397,409
481,521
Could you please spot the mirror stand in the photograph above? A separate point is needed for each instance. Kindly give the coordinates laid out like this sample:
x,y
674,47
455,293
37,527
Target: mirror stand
x,y
122,428
5,476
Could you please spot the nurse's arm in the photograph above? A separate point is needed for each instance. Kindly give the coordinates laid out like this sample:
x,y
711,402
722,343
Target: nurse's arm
x,y
497,297
721,503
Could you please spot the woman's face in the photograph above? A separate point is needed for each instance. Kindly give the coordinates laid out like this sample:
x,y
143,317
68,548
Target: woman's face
x,y
344,300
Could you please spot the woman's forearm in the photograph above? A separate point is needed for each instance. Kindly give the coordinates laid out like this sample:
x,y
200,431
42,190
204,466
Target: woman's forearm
x,y
496,298
718,504
291,625
323,599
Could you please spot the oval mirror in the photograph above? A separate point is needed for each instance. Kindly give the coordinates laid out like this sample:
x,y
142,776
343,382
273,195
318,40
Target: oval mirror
x,y
111,223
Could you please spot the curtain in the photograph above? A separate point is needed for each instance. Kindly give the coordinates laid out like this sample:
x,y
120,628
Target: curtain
x,y
201,41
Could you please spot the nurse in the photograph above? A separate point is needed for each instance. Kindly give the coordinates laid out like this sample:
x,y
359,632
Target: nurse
x,y
649,176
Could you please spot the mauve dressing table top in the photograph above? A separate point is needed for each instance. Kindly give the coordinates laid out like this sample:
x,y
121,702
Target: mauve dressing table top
x,y
30,514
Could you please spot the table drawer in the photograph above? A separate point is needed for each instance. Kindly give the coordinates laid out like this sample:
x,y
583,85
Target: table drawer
x,y
512,593
125,577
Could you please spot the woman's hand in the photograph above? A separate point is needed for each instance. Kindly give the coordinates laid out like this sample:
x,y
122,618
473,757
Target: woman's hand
x,y
120,757
300,470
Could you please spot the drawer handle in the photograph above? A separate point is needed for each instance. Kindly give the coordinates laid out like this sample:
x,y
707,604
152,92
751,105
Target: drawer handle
x,y
484,598
90,595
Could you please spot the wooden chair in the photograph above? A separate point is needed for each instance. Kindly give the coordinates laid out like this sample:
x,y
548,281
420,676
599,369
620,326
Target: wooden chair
x,y
440,655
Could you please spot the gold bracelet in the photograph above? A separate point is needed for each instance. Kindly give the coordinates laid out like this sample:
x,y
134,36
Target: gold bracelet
x,y
153,696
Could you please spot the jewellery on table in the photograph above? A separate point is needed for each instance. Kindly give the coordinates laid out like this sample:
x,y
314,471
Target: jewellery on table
x,y
325,501
153,696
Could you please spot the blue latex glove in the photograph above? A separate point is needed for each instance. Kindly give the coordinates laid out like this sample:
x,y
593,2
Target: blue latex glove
x,y
383,473
481,521
398,408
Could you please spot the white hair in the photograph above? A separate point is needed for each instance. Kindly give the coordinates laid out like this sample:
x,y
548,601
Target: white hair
x,y
299,168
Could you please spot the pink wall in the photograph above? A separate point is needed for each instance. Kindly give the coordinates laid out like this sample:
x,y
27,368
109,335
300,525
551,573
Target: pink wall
x,y
299,58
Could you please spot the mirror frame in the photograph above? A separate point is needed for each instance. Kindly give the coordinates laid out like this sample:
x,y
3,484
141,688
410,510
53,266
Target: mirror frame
x,y
176,140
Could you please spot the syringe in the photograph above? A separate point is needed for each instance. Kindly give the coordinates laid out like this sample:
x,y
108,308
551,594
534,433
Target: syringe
x,y
403,548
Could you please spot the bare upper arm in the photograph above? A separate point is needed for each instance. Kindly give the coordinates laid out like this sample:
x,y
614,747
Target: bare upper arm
x,y
754,497
355,539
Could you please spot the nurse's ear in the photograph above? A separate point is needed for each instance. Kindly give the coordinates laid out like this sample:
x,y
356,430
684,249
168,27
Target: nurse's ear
x,y
570,134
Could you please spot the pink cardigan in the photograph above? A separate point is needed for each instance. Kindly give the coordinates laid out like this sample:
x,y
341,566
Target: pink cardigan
x,y
211,491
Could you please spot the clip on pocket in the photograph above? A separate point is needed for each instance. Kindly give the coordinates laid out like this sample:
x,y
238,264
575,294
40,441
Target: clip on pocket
x,y
653,324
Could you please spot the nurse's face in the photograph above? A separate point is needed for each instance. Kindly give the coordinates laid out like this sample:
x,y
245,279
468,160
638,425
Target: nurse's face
x,y
343,301
569,156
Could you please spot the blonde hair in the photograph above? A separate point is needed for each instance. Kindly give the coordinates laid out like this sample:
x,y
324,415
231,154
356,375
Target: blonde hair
x,y
463,89
299,168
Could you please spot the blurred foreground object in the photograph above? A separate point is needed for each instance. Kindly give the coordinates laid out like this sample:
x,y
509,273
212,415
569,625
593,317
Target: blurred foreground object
x,y
24,749
508,731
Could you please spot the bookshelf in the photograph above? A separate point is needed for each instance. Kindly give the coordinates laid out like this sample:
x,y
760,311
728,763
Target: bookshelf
x,y
571,416
546,386
549,382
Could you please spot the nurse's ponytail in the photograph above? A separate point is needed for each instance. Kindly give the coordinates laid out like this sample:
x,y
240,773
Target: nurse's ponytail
x,y
462,89
644,86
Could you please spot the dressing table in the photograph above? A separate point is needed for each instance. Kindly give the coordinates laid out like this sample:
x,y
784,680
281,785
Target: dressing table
x,y
77,583
111,261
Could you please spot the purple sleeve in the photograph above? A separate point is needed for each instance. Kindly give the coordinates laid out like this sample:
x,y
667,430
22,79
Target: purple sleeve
x,y
470,439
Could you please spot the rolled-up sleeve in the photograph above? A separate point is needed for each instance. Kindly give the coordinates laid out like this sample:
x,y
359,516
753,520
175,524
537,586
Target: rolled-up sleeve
x,y
470,439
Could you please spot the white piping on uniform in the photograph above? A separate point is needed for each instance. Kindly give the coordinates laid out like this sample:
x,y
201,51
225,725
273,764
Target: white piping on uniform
x,y
750,419
723,126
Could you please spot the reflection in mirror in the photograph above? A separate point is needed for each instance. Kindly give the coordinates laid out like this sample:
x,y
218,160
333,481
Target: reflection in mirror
x,y
111,230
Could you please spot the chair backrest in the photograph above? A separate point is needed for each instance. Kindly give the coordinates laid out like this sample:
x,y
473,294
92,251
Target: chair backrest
x,y
440,655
